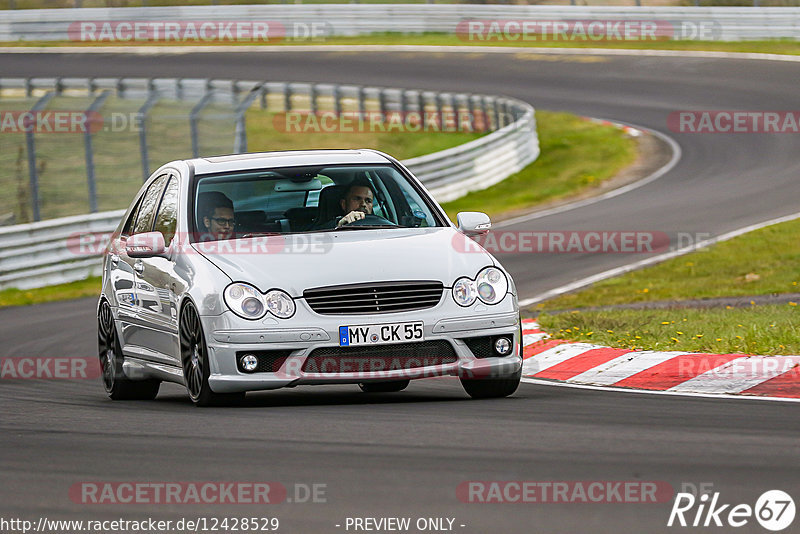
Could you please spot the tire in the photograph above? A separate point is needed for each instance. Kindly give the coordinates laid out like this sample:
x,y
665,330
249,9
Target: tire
x,y
195,363
117,385
384,387
491,388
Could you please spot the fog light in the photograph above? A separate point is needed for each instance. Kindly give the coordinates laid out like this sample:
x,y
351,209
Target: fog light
x,y
249,362
502,346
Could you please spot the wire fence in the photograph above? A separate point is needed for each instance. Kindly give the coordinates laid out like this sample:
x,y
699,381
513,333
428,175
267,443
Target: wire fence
x,y
75,145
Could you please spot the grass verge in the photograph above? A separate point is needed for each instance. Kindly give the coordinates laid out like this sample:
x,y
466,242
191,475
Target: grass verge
x,y
758,263
773,329
575,155
762,262
89,287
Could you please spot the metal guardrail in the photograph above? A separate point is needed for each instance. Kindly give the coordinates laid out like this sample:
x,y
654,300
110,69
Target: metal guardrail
x,y
317,21
51,252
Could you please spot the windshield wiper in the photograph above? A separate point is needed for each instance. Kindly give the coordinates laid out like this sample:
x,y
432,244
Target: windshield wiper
x,y
365,226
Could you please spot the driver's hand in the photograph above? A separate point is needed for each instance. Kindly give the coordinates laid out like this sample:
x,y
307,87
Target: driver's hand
x,y
350,217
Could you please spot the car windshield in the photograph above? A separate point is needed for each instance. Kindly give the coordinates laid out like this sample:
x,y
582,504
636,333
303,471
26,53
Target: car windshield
x,y
308,199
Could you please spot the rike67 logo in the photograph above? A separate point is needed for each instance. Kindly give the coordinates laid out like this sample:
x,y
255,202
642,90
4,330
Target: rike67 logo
x,y
774,510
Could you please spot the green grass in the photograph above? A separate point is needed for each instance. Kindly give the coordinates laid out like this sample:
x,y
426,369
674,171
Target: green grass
x,y
773,329
89,287
575,155
762,262
768,46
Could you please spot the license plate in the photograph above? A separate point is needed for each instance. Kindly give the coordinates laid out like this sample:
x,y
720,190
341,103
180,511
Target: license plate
x,y
376,334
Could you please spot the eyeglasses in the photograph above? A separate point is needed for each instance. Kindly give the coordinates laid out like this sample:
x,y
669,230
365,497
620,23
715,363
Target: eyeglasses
x,y
224,222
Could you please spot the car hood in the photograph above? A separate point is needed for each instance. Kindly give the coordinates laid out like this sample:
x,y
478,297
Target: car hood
x,y
296,262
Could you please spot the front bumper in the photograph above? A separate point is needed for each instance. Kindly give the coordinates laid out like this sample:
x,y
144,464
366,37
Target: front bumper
x,y
227,335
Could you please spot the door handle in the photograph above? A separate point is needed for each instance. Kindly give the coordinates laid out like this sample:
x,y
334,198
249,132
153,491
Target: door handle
x,y
138,266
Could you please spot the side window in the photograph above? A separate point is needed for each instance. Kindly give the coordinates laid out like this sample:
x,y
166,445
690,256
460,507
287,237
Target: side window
x,y
127,230
167,216
148,205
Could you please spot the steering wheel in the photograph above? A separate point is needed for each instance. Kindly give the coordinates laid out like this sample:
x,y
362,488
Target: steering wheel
x,y
371,220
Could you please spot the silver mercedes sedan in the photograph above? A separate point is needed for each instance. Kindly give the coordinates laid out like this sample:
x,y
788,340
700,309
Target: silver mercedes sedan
x,y
262,271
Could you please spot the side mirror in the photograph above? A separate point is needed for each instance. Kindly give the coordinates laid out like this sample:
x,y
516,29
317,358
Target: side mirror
x,y
473,222
147,245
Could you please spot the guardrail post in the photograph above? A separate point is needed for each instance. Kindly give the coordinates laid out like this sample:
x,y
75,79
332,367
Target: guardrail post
x,y
454,107
193,115
264,96
337,100
496,113
439,110
362,105
287,98
421,106
471,111
404,103
30,146
87,138
312,98
141,122
240,140
382,103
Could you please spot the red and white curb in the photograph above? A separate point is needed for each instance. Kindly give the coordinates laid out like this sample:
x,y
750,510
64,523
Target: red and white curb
x,y
688,373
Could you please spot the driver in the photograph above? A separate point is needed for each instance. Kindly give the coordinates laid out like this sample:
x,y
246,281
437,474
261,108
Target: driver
x,y
216,215
356,202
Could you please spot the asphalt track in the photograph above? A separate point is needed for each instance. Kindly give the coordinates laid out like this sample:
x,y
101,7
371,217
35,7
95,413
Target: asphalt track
x,y
404,454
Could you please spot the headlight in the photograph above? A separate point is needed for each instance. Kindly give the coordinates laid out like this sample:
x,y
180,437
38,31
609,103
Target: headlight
x,y
279,304
464,292
246,301
492,285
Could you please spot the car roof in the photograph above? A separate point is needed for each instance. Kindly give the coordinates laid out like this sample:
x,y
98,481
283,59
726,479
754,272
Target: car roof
x,y
289,158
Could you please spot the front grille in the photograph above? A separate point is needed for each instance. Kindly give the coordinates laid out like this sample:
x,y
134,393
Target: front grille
x,y
481,346
269,361
377,297
329,360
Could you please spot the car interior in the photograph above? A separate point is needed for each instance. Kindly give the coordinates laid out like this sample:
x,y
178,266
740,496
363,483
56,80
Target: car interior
x,y
302,199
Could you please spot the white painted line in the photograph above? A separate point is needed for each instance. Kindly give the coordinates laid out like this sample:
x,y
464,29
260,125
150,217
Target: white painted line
x,y
530,339
177,50
652,260
676,156
540,382
622,367
739,375
550,357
